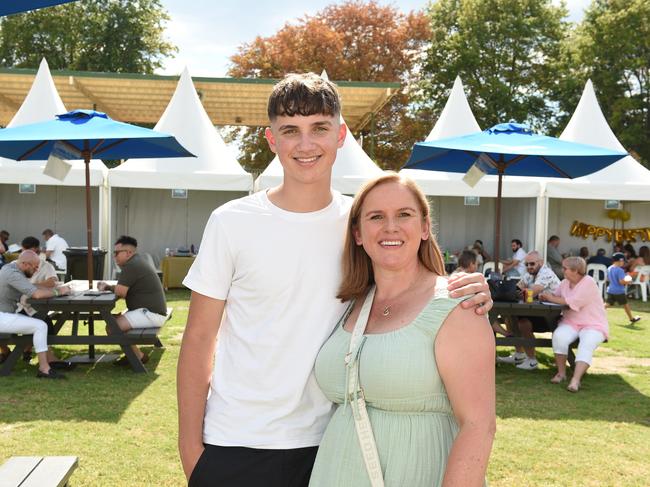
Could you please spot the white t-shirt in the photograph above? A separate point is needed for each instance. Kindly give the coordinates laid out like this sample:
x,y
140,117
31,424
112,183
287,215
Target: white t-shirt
x,y
520,255
279,273
57,245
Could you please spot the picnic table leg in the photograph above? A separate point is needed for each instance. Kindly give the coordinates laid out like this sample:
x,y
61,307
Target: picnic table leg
x,y
136,363
12,359
158,343
91,332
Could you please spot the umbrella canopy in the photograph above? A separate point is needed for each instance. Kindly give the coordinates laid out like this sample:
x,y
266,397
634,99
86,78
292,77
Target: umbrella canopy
x,y
8,7
87,130
87,134
514,149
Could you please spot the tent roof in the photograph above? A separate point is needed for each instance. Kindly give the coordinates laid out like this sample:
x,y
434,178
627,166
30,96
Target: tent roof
x,y
214,167
457,119
142,99
626,179
42,103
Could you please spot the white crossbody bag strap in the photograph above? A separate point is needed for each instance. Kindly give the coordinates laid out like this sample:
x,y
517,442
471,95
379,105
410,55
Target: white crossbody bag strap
x,y
356,397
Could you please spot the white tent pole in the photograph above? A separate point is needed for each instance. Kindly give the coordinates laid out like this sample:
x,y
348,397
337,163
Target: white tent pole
x,y
541,222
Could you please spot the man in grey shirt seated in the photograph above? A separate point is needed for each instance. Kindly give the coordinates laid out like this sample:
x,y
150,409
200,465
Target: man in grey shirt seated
x,y
139,285
14,282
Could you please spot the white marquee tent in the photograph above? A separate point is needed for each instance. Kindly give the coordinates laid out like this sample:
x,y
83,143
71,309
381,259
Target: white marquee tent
x,y
141,189
459,225
583,198
55,204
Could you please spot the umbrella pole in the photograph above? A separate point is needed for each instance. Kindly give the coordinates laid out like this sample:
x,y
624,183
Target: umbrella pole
x,y
89,221
497,237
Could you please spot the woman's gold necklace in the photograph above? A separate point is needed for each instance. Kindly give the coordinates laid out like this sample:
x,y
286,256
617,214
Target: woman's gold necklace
x,y
387,309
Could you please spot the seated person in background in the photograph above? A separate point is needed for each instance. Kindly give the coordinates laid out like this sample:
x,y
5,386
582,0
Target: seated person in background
x,y
633,260
4,245
478,246
540,278
585,319
584,253
617,282
140,286
14,282
515,266
644,253
553,256
467,262
600,258
44,278
54,247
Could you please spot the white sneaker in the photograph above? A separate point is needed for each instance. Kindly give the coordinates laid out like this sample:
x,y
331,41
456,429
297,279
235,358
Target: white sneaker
x,y
528,364
513,358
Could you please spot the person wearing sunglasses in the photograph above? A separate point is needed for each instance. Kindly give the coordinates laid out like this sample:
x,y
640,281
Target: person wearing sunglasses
x,y
139,285
541,279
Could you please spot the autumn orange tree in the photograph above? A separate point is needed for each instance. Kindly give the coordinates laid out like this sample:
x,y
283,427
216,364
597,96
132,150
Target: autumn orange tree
x,y
352,41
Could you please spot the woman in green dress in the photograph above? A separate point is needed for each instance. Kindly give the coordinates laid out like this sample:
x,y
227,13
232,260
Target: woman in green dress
x,y
425,365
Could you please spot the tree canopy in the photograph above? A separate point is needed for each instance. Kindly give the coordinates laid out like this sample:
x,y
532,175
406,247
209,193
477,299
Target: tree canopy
x,y
102,35
612,47
502,50
353,41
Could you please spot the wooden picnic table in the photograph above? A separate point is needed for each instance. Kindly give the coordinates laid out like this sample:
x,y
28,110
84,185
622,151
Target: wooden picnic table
x,y
513,311
84,306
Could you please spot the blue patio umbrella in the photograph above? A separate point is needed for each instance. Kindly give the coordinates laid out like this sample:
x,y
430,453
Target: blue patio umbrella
x,y
513,149
8,7
86,135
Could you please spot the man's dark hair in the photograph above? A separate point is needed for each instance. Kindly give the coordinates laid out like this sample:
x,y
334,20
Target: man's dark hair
x,y
4,234
126,240
553,238
303,94
48,232
517,241
600,251
30,243
467,257
479,241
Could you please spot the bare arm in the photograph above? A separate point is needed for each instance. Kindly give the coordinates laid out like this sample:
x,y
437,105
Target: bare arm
x,y
120,290
465,358
551,298
462,284
194,374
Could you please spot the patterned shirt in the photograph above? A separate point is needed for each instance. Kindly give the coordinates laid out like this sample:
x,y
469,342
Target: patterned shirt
x,y
545,277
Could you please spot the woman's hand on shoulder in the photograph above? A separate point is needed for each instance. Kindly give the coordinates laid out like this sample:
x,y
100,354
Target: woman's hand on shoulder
x,y
462,284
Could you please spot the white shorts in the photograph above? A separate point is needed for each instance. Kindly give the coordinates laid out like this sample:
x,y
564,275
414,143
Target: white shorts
x,y
143,318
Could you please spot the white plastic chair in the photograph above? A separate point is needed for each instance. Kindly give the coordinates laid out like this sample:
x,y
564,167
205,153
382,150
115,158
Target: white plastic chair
x,y
488,267
641,282
598,272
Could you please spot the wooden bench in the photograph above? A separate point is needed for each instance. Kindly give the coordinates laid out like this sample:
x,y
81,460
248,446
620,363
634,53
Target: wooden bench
x,y
141,336
37,471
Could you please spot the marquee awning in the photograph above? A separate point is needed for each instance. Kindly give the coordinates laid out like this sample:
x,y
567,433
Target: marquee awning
x,y
141,99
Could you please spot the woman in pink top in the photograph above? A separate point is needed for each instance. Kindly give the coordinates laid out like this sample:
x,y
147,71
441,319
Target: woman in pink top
x,y
585,319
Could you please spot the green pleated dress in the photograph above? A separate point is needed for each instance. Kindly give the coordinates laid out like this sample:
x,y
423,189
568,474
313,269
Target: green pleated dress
x,y
412,420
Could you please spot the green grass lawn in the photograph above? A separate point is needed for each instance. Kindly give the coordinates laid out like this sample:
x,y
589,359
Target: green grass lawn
x,y
122,425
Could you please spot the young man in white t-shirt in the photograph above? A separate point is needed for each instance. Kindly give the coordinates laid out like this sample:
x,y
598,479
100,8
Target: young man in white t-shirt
x,y
266,279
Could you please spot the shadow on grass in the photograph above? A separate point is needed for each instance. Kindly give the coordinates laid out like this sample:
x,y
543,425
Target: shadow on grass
x,y
100,392
602,397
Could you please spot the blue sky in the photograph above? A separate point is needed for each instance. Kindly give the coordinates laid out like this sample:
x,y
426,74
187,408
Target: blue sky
x,y
208,32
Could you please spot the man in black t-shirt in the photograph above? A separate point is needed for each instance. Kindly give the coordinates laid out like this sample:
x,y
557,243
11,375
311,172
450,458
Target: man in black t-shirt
x,y
140,286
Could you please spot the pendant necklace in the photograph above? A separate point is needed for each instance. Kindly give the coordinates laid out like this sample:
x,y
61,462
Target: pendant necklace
x,y
386,311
